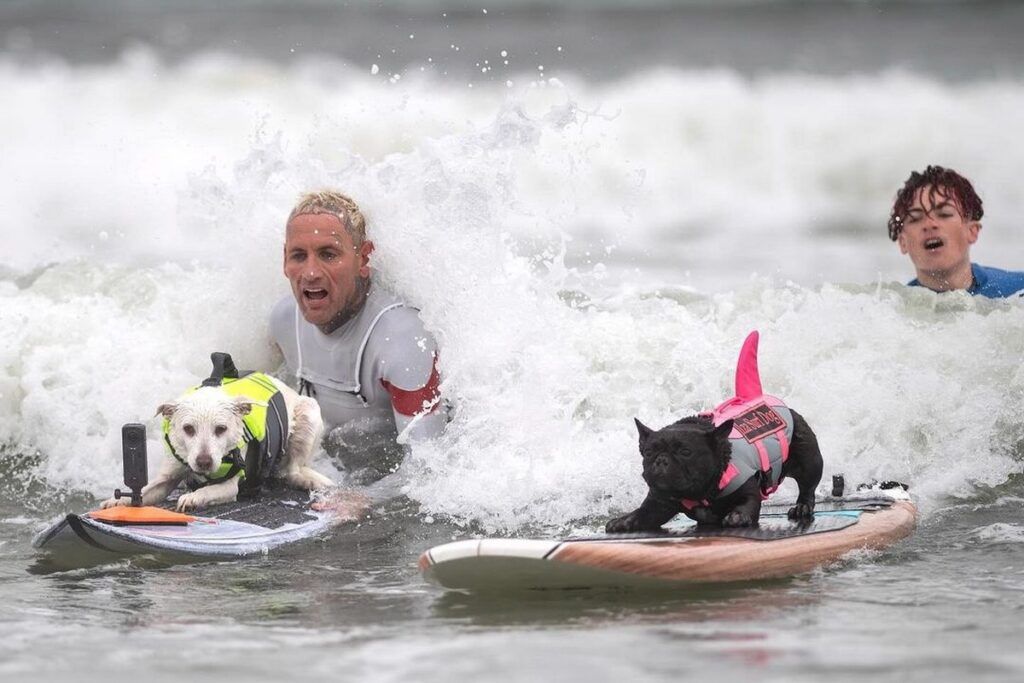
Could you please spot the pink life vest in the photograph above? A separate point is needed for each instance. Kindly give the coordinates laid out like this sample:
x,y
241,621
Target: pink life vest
x,y
761,433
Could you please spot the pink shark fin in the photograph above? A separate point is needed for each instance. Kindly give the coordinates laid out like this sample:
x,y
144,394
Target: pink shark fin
x,y
748,379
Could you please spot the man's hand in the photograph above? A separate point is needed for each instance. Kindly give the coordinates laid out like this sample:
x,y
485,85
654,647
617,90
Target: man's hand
x,y
346,506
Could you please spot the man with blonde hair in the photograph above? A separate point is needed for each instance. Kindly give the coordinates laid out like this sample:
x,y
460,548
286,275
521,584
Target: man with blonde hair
x,y
354,347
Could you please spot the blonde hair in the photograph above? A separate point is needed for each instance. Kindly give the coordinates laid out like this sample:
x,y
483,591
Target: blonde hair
x,y
336,204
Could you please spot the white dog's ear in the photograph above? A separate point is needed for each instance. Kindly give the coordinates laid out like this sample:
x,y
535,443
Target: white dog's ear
x,y
167,409
242,405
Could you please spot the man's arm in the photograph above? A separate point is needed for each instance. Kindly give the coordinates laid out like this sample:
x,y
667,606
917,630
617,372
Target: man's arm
x,y
419,413
409,374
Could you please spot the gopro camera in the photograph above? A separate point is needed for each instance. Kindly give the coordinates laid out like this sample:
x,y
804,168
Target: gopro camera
x,y
136,466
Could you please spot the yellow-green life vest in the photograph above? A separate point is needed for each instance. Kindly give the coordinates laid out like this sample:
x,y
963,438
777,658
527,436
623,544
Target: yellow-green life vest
x,y
264,432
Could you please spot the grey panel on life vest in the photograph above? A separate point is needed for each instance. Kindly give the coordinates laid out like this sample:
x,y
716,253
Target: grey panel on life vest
x,y
747,460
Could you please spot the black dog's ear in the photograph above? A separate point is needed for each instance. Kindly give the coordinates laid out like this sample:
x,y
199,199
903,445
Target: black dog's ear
x,y
722,431
642,429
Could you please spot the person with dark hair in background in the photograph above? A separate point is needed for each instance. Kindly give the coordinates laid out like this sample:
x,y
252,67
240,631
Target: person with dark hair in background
x,y
935,219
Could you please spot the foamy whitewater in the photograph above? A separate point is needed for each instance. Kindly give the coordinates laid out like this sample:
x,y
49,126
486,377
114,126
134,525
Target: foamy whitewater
x,y
584,254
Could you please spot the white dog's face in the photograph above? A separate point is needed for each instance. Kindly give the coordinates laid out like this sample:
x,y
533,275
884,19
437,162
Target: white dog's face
x,y
205,426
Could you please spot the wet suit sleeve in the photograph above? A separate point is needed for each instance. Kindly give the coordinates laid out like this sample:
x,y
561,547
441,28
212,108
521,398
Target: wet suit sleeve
x,y
409,374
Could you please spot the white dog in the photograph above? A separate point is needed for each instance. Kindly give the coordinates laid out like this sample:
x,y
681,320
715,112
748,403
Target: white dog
x,y
208,427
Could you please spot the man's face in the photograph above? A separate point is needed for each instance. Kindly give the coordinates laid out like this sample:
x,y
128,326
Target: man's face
x,y
935,233
327,273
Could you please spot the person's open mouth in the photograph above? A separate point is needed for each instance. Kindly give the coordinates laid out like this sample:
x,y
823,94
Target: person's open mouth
x,y
315,294
933,243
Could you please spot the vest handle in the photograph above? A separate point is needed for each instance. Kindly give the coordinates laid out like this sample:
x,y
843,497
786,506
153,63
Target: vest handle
x,y
223,367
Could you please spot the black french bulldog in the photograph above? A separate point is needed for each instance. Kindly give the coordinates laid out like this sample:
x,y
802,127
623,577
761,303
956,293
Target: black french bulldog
x,y
685,461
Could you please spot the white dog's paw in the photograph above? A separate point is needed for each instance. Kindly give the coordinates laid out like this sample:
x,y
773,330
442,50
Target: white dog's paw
x,y
189,501
321,481
114,502
309,480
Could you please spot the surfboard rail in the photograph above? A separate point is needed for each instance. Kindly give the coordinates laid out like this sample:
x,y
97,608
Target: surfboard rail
x,y
486,564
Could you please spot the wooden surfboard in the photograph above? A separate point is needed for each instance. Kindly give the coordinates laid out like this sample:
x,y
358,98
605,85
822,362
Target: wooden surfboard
x,y
681,554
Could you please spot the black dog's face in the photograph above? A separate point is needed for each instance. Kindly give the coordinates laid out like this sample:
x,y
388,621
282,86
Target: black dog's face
x,y
686,459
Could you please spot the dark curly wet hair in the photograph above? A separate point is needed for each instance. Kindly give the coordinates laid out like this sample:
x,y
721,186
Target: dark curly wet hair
x,y
945,183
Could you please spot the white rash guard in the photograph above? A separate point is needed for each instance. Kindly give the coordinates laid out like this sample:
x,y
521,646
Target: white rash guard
x,y
379,368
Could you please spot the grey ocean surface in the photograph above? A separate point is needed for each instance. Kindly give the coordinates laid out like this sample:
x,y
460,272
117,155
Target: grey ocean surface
x,y
941,606
599,40
944,605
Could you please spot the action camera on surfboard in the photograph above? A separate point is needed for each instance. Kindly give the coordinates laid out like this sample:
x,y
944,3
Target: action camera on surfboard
x,y
136,464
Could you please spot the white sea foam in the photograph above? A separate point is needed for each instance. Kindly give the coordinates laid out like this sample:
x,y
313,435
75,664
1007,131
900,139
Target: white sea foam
x,y
18,521
1000,533
678,170
545,231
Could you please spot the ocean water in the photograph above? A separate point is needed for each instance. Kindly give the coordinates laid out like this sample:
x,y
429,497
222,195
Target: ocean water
x,y
589,241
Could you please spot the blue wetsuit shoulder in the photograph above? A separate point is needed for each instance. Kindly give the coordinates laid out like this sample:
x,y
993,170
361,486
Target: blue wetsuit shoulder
x,y
993,283
996,283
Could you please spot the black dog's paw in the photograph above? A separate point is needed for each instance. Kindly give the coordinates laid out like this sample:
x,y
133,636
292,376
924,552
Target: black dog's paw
x,y
704,516
802,512
626,524
737,518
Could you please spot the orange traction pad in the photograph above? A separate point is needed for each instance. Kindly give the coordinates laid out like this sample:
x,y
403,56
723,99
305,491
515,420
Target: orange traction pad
x,y
125,515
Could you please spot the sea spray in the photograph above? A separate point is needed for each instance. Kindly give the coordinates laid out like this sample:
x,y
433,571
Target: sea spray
x,y
707,172
897,383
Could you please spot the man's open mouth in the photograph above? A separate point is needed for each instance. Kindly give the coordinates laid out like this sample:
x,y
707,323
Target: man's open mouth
x,y
933,243
315,294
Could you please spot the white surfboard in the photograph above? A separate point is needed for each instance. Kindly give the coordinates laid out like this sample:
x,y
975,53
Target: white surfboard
x,y
682,554
233,530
